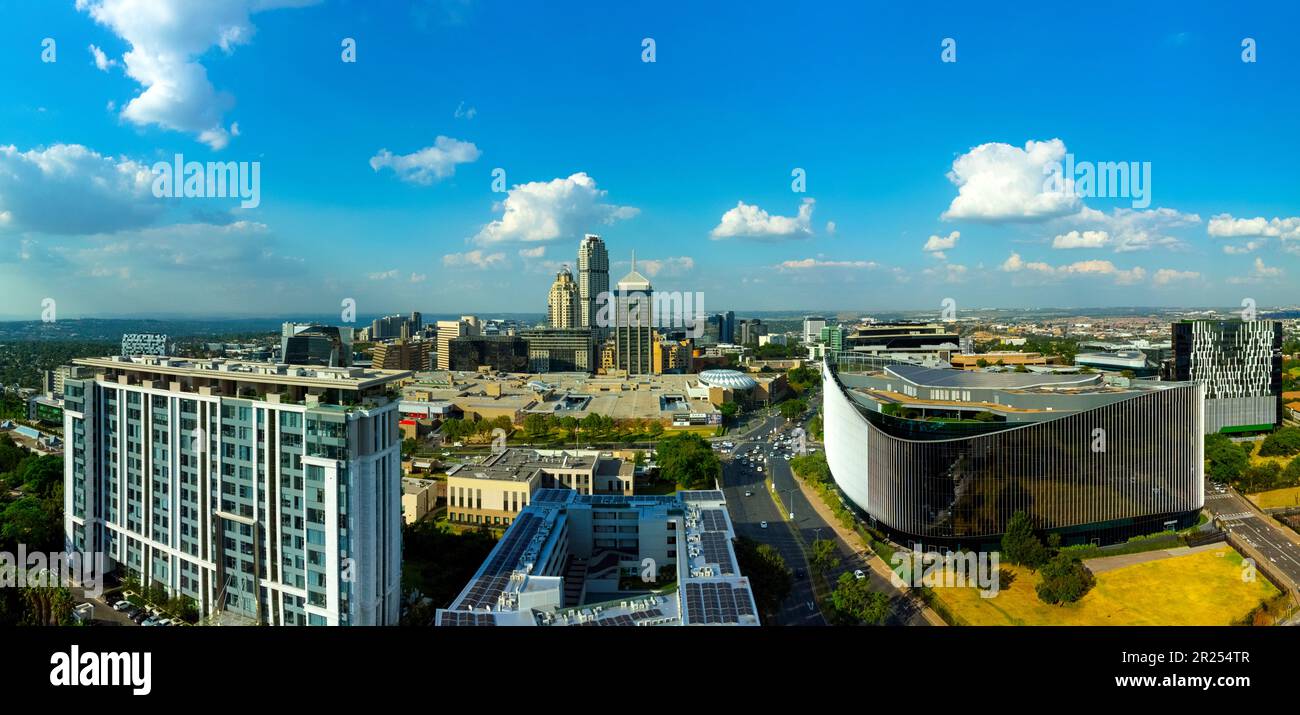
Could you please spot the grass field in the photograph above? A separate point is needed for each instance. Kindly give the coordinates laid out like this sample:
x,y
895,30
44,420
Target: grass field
x,y
1289,496
1203,588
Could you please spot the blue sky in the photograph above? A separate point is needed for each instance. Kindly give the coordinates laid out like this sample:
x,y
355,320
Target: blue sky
x,y
923,177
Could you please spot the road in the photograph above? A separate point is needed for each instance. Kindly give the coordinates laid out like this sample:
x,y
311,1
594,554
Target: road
x,y
748,512
1242,518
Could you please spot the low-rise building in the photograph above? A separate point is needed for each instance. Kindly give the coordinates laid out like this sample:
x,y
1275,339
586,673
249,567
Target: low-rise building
x,y
494,492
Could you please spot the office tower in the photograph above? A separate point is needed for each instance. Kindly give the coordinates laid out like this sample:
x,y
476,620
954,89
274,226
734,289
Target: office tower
x,y
562,303
389,327
404,355
144,344
750,330
449,330
561,350
945,457
812,328
310,344
727,327
267,493
417,322
593,279
1240,365
507,353
832,336
633,323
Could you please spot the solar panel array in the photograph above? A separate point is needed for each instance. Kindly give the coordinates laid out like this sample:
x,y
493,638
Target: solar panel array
x,y
516,540
485,591
624,619
702,496
716,603
463,618
551,496
715,548
713,520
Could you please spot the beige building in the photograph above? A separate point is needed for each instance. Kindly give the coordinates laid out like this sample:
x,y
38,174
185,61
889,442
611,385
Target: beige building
x,y
494,492
562,303
672,356
449,330
1005,357
419,496
403,355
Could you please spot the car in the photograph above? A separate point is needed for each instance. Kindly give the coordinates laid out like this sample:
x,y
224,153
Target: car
x,y
150,621
760,468
859,574
139,617
762,524
121,605
749,494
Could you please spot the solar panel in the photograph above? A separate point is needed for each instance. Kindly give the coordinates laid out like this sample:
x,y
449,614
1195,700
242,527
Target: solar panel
x,y
715,549
713,520
702,496
717,603
464,618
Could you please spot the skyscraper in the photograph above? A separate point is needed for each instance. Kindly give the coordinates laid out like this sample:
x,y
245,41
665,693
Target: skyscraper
x,y
593,279
449,330
1240,364
634,324
562,303
266,493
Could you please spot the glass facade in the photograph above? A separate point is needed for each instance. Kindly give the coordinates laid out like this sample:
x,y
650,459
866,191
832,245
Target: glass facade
x,y
1136,461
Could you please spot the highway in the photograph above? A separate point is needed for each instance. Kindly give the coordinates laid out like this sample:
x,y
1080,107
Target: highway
x,y
747,513
1244,520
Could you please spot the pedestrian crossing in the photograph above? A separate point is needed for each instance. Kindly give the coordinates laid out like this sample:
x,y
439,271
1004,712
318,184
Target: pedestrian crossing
x,y
1238,516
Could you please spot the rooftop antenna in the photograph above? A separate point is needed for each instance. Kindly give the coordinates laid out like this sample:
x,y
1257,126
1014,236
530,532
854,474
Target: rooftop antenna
x,y
634,260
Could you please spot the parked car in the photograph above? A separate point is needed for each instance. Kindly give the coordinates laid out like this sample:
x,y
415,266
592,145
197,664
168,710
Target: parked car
x,y
762,524
749,494
859,574
139,616
121,606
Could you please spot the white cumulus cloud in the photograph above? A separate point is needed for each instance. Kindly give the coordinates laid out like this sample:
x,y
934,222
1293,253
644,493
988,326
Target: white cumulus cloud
x,y
1081,239
749,221
544,211
938,245
167,38
432,163
1001,182
71,189
473,259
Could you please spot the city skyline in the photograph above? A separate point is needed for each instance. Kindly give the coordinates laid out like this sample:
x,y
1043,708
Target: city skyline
x,y
375,187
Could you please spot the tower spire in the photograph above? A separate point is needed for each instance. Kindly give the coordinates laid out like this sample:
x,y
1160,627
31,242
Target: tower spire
x,y
634,260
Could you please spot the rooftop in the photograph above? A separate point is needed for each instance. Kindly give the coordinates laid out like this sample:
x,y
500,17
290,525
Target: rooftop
x,y
342,378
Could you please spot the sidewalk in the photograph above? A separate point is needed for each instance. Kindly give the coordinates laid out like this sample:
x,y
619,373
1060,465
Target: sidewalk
x,y
854,540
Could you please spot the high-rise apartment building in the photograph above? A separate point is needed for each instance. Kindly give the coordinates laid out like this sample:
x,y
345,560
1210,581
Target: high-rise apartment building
x,y
266,493
593,279
562,304
1239,362
633,324
311,344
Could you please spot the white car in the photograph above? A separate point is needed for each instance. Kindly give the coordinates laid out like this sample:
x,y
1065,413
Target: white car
x,y
121,605
762,524
749,494
859,574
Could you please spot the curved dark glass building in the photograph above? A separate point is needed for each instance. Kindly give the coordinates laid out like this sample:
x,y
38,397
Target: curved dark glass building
x,y
944,456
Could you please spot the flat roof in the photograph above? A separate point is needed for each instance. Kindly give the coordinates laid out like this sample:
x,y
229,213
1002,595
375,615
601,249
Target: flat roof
x,y
343,378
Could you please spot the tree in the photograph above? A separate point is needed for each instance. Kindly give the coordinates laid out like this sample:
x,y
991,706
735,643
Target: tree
x,y
769,577
1020,545
1227,460
1282,443
1064,580
853,602
791,409
825,556
728,410
536,425
409,445
687,460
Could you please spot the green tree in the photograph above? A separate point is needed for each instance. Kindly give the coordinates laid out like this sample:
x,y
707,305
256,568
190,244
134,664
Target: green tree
x,y
688,461
769,577
1064,579
791,409
853,603
1020,545
1282,443
1226,459
825,556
